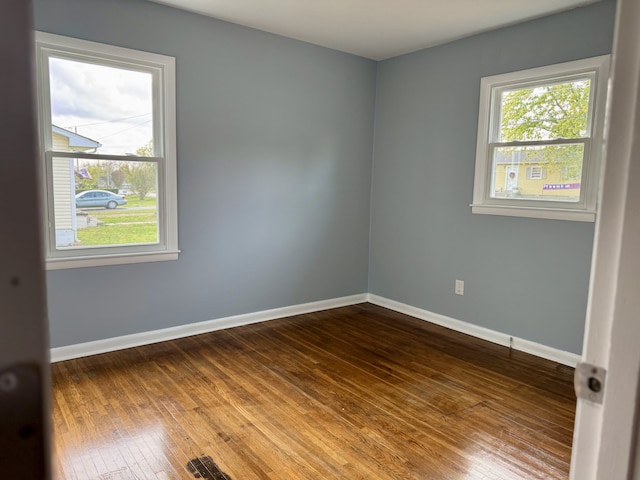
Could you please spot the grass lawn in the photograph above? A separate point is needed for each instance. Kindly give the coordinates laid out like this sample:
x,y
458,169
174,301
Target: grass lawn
x,y
123,226
118,212
118,234
128,218
134,201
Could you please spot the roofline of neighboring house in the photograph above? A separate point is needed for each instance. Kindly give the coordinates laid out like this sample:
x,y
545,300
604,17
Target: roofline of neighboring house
x,y
76,140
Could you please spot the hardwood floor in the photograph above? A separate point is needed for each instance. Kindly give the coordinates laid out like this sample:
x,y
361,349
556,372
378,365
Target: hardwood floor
x,y
353,393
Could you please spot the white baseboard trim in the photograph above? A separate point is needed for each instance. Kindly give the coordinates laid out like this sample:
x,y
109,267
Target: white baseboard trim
x,y
527,346
69,352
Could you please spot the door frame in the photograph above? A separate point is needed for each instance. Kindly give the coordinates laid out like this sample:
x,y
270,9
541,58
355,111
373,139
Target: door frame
x,y
25,407
605,436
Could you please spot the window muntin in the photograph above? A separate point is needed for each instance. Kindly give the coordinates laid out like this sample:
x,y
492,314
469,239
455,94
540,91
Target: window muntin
x,y
539,141
107,126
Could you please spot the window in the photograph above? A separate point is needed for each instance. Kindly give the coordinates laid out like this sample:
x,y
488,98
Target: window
x,y
546,123
107,135
535,173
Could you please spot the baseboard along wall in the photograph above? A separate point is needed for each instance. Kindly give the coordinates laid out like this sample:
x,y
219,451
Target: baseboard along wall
x,y
59,354
69,352
504,339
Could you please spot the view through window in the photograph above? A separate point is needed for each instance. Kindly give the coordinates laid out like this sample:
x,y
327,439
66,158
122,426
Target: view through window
x,y
103,110
540,140
549,123
107,126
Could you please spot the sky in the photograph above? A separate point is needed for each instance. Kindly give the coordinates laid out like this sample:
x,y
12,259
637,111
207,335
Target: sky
x,y
110,105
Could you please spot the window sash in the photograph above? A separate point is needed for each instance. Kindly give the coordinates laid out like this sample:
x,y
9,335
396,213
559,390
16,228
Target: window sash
x,y
528,203
161,205
158,87
497,91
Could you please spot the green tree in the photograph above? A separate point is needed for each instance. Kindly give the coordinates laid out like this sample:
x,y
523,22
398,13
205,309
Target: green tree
x,y
548,112
146,150
118,177
142,178
545,112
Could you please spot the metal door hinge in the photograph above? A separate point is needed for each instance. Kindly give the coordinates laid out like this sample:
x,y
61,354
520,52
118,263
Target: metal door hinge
x,y
588,382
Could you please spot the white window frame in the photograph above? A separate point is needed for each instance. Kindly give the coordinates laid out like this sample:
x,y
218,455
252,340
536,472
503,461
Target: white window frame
x,y
162,69
488,120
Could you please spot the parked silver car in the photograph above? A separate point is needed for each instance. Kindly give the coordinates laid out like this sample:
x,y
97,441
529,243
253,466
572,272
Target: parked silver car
x,y
99,198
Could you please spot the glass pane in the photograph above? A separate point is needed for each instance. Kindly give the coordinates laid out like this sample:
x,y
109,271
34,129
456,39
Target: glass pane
x,y
545,112
549,173
108,110
103,203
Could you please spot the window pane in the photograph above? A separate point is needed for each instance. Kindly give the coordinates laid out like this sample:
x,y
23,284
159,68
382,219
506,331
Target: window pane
x,y
104,105
549,173
545,112
99,203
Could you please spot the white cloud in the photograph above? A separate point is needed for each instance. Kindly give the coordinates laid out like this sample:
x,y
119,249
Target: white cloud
x,y
107,104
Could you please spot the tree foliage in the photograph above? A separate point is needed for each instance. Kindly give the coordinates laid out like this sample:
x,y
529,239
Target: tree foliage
x,y
100,174
108,173
142,178
548,112
95,172
545,112
118,177
146,150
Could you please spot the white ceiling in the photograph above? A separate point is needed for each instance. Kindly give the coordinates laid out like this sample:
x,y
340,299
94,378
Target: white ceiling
x,y
376,29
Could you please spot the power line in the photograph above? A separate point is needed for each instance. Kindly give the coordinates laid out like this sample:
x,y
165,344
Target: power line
x,y
108,121
123,130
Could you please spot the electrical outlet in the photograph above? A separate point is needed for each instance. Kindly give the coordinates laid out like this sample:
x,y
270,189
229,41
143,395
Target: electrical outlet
x,y
459,290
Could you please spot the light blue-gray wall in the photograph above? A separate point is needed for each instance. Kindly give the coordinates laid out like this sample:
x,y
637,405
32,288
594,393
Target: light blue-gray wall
x,y
274,174
277,205
524,277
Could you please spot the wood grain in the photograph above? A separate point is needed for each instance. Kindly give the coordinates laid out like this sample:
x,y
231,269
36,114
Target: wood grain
x,y
352,393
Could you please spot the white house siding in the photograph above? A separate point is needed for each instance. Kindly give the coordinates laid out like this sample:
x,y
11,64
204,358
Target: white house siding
x,y
63,193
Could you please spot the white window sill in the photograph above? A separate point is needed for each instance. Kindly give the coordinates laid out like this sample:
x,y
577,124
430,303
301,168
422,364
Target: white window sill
x,y
536,212
103,260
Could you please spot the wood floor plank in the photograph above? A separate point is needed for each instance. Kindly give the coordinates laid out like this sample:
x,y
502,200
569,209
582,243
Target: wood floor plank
x,y
358,392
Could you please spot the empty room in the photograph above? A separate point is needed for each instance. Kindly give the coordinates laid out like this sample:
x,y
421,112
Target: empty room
x,y
309,240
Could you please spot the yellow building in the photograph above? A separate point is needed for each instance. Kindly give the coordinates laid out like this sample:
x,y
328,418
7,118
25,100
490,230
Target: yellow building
x,y
524,176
